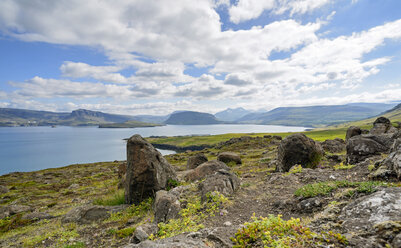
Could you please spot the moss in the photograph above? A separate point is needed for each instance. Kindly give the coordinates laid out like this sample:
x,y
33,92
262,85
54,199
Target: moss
x,y
343,166
125,232
325,188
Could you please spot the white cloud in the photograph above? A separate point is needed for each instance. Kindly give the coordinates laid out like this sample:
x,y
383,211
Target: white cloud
x,y
246,10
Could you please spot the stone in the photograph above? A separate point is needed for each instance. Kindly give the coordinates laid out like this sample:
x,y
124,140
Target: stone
x,y
334,146
298,149
142,232
396,243
382,125
222,181
3,189
87,214
35,216
6,211
228,157
147,171
309,205
361,147
352,131
364,213
166,206
196,160
205,169
122,169
180,241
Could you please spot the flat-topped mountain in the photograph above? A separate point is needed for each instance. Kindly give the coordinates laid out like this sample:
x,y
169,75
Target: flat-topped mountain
x,y
191,118
231,114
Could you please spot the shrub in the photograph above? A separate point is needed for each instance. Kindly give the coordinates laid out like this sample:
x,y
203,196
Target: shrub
x,y
273,231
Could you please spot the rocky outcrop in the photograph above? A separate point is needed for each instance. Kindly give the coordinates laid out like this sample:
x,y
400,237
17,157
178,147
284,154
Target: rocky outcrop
x,y
166,206
352,131
363,214
228,157
147,171
382,125
205,169
87,214
334,146
298,149
222,181
196,160
361,147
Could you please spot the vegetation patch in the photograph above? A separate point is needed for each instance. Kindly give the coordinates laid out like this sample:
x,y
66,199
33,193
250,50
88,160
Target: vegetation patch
x,y
116,197
192,216
140,210
325,188
343,166
273,231
295,169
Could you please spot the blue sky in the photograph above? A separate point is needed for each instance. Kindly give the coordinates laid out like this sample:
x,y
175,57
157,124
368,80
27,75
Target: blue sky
x,y
155,57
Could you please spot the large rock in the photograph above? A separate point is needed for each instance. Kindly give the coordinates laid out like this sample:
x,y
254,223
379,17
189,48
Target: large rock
x,y
205,169
228,157
361,147
382,125
352,131
166,206
222,181
196,160
298,149
334,146
87,214
147,171
364,213
390,167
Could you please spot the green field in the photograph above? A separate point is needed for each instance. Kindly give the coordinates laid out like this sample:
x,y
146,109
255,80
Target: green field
x,y
183,141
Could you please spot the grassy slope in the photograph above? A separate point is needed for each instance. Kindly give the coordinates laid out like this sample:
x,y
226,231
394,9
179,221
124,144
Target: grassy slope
x,y
182,141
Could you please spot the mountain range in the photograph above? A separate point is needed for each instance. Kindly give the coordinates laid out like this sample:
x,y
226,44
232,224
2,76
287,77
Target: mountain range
x,y
311,116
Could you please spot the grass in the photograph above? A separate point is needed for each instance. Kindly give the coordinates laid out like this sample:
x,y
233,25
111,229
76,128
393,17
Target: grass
x,y
325,188
114,198
343,166
183,141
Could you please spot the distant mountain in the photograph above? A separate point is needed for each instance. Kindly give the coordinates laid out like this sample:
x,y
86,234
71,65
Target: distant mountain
x,y
191,118
316,116
80,117
393,114
231,114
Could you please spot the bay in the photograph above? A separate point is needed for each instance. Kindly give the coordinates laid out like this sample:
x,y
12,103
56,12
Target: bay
x,y
36,148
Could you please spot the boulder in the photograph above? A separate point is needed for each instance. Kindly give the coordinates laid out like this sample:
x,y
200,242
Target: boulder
x,y
382,125
142,232
222,181
166,206
334,146
227,157
147,171
122,169
87,214
205,169
298,149
364,213
352,131
389,167
196,160
3,189
361,147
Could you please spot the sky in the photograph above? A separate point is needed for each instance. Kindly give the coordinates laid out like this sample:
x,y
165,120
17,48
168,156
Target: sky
x,y
158,56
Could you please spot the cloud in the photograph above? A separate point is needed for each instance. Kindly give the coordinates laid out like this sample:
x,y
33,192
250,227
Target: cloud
x,y
246,10
103,73
237,80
